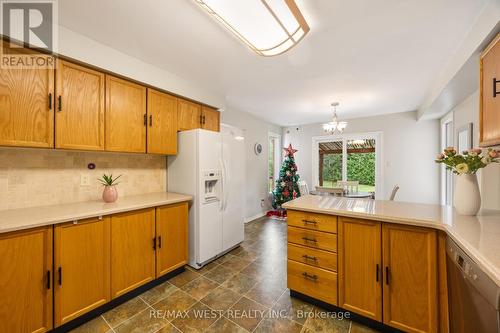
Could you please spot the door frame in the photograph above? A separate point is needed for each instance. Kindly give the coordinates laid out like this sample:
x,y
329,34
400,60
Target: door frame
x,y
447,119
277,153
377,136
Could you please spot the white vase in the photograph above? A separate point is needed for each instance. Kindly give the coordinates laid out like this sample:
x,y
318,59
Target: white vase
x,y
467,198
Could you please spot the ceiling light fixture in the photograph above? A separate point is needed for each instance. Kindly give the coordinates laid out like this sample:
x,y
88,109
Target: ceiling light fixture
x,y
335,125
268,27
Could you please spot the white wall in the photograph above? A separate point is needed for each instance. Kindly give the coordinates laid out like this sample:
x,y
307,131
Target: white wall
x,y
79,47
489,178
256,131
408,153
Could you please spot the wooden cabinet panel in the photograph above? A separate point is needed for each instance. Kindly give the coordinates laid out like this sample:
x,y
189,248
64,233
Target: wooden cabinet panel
x,y
210,119
360,267
313,257
132,250
26,110
189,115
162,123
172,237
80,107
312,281
410,278
125,116
315,239
25,285
312,221
82,267
489,115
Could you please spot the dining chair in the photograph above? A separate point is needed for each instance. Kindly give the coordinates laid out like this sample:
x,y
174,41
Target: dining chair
x,y
393,193
337,191
303,188
352,186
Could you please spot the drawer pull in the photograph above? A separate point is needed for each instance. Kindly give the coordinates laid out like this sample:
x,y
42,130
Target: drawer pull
x,y
309,222
309,240
306,257
310,277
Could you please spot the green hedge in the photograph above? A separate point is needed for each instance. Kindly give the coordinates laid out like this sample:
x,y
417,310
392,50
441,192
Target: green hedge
x,y
359,167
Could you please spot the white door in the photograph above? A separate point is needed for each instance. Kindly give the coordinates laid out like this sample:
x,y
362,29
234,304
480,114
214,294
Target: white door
x,y
209,213
233,174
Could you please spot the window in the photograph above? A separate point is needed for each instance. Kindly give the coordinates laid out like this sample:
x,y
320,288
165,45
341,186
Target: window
x,y
446,175
348,157
274,155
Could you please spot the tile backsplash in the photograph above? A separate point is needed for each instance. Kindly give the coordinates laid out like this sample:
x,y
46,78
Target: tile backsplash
x,y
39,177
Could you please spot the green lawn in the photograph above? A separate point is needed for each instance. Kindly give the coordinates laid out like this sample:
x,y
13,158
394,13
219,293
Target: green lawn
x,y
361,188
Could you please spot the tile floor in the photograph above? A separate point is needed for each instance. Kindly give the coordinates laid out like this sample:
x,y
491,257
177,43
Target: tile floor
x,y
243,291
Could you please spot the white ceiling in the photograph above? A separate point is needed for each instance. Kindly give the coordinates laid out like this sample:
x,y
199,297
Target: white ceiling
x,y
373,56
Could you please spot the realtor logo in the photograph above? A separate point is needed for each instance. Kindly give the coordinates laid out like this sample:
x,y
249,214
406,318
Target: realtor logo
x,y
28,24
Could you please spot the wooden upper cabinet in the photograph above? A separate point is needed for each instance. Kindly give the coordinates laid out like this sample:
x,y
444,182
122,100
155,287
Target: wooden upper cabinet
x,y
410,278
172,237
26,281
360,267
162,123
82,267
132,250
79,107
26,105
189,115
489,114
125,116
210,119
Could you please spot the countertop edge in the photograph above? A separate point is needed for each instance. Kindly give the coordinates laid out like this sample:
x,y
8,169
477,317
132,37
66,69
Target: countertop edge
x,y
490,270
90,214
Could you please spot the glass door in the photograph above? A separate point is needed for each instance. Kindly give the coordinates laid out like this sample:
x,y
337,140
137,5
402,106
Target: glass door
x,y
330,163
361,163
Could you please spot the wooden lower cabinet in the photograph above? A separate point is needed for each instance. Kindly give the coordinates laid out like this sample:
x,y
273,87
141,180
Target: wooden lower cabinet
x,y
132,250
82,267
312,281
25,281
171,237
360,267
410,281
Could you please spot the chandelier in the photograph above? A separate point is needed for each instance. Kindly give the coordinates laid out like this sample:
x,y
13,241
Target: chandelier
x,y
335,125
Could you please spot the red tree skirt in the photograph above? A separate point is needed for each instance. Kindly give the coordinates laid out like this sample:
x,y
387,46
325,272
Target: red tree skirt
x,y
279,214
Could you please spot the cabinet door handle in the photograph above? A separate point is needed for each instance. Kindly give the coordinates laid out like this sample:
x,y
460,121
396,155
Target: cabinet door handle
x,y
377,273
50,101
309,239
201,119
204,120
145,120
59,273
306,257
310,277
387,275
309,222
150,120
48,280
159,242
59,103
495,91
154,243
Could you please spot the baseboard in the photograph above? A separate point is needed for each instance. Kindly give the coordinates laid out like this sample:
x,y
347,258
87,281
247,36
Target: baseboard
x,y
257,216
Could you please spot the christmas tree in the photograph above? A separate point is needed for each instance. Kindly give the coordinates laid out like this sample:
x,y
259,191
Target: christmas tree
x,y
286,186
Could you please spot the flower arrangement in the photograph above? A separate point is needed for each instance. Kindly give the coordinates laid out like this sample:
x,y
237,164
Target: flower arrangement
x,y
109,180
470,161
110,194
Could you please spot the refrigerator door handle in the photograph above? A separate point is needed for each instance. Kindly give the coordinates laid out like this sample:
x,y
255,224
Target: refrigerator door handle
x,y
224,183
222,180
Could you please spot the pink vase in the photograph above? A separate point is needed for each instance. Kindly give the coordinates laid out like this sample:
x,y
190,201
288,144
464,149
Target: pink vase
x,y
110,194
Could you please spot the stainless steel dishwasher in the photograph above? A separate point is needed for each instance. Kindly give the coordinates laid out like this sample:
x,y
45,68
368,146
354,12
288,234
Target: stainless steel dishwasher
x,y
474,298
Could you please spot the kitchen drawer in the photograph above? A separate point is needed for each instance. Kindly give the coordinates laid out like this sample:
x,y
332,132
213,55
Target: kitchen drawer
x,y
313,257
312,281
313,221
315,239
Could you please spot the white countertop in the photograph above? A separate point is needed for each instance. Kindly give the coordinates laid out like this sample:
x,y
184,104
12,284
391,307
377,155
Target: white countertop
x,y
478,236
25,218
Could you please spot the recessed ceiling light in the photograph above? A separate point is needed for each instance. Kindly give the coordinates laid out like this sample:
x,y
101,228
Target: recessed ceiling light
x,y
268,27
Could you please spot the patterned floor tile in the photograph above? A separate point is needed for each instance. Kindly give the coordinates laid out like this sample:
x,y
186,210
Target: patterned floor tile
x,y
158,293
96,325
184,278
143,322
197,319
221,298
247,313
175,303
278,325
220,274
240,283
223,325
199,287
124,311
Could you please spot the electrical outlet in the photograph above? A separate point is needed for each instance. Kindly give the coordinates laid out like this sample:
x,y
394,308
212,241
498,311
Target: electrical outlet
x,y
84,179
262,201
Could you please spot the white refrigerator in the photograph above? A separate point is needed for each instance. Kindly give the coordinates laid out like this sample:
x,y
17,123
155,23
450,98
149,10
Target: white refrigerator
x,y
210,166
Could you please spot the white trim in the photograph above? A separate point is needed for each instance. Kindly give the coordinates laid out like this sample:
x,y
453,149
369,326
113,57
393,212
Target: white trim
x,y
379,171
448,118
256,216
277,153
